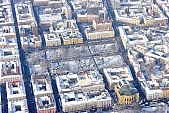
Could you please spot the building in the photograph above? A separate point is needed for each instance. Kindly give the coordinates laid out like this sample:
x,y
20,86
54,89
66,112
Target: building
x,y
80,101
46,20
140,14
101,28
41,2
152,72
16,97
120,80
68,32
126,93
52,40
68,12
99,35
18,106
89,10
131,39
101,24
31,41
25,15
10,71
91,81
44,98
7,19
115,75
72,37
116,4
9,54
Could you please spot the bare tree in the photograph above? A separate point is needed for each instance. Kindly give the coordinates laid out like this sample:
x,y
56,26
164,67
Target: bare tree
x,y
53,55
45,64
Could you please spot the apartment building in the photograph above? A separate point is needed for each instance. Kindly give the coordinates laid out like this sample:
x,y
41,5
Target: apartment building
x,y
24,14
67,11
18,106
91,10
31,41
140,14
79,101
16,97
114,75
44,98
6,18
95,35
130,38
52,40
71,37
9,54
41,2
85,82
101,24
10,71
120,80
7,31
68,32
151,71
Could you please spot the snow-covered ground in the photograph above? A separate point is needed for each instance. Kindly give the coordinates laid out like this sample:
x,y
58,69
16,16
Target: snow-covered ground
x,y
104,49
110,61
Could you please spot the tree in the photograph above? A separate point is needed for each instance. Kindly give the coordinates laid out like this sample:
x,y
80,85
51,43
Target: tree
x,y
53,55
45,64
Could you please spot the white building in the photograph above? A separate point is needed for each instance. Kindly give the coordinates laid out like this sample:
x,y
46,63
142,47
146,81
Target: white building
x,y
129,39
6,20
24,14
15,90
16,97
91,81
52,40
18,106
114,75
44,98
9,54
10,71
31,41
73,101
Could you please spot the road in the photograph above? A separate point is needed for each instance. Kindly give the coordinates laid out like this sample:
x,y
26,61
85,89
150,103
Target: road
x,y
4,99
24,67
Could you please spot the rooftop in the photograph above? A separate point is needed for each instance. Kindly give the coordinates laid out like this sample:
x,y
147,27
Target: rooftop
x,y
118,74
126,88
41,84
84,97
15,90
74,82
18,106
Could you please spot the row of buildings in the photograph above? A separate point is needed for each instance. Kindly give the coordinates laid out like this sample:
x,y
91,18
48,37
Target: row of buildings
x,y
61,28
10,65
86,90
139,13
149,57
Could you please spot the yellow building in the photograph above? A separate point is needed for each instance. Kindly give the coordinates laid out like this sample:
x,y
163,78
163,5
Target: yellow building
x,y
125,93
165,92
67,41
82,18
72,37
86,17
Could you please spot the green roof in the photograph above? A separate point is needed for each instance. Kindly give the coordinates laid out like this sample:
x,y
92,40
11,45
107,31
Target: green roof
x,y
127,90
